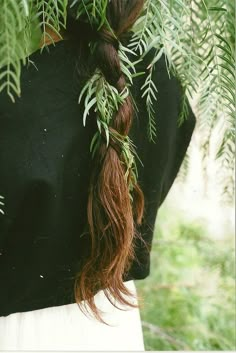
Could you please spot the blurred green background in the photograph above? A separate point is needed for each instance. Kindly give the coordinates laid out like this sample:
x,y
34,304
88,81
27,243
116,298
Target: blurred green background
x,y
188,301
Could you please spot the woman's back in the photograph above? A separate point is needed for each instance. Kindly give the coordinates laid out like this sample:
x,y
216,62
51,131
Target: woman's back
x,y
45,172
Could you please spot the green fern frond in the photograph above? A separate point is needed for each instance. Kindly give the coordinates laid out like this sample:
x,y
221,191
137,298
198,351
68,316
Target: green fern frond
x,y
150,93
145,29
53,15
94,11
198,39
12,21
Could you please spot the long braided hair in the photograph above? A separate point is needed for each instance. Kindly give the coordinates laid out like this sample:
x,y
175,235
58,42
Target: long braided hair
x,y
111,212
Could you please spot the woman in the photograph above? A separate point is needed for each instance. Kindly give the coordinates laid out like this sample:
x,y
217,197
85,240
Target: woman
x,y
73,231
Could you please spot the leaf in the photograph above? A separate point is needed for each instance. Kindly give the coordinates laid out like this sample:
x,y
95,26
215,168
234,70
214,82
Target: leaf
x,y
87,109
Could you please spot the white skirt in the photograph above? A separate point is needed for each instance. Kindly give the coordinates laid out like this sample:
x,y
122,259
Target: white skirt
x,y
66,328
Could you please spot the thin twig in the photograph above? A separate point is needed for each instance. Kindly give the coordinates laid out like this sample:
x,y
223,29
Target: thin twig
x,y
158,331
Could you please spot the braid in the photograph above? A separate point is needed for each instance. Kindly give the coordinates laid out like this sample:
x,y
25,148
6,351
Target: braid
x,y
111,214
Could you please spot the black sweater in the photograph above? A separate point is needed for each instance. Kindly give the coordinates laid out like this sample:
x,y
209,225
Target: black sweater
x,y
44,173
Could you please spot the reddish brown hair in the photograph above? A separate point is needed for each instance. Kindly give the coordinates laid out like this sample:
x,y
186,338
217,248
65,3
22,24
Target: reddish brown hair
x,y
111,214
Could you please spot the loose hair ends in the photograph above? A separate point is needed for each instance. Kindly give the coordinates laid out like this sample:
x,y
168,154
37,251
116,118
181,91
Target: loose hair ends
x,y
111,213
